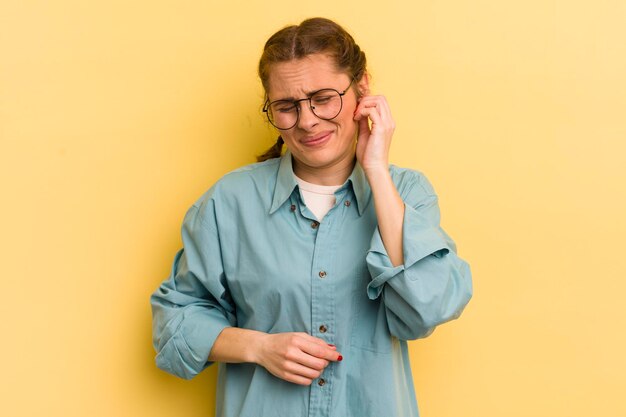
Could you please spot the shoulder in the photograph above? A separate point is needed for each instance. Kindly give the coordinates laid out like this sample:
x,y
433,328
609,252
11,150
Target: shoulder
x,y
247,178
252,184
411,181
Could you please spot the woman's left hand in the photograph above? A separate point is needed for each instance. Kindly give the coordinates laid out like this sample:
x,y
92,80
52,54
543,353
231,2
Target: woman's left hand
x,y
373,142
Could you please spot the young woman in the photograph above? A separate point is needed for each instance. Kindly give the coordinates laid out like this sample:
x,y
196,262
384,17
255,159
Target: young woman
x,y
304,275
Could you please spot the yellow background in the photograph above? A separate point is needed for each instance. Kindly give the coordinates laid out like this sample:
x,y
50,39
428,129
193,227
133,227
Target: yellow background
x,y
116,115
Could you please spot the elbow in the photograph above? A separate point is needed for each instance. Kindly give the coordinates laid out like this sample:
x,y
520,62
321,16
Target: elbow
x,y
450,299
449,306
179,370
417,317
179,360
183,339
409,331
409,325
415,325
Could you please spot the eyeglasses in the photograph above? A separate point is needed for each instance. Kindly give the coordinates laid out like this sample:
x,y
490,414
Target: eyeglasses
x,y
326,104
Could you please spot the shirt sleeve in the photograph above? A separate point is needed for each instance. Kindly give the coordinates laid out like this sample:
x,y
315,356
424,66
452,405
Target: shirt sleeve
x,y
192,307
433,285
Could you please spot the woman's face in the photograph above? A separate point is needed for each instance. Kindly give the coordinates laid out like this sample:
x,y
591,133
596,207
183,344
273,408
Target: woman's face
x,y
317,145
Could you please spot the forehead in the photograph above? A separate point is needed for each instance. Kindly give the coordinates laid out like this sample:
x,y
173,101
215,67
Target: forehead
x,y
299,77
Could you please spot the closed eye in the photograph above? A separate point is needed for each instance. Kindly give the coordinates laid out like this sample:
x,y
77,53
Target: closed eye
x,y
321,99
283,107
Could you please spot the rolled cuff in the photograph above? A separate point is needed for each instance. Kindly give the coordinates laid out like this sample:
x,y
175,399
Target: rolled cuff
x,y
420,238
186,352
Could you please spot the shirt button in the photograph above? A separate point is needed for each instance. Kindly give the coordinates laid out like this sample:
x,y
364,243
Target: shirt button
x,y
323,329
346,203
322,274
315,224
321,382
293,207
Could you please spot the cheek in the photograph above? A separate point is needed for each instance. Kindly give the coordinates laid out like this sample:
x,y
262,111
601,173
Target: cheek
x,y
347,116
288,139
347,123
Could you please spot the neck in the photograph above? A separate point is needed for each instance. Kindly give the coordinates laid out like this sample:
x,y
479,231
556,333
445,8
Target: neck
x,y
335,174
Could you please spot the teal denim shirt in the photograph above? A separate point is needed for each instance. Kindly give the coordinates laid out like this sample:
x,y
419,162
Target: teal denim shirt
x,y
252,258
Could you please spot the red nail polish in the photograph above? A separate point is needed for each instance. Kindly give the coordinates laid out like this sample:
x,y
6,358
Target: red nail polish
x,y
331,345
340,358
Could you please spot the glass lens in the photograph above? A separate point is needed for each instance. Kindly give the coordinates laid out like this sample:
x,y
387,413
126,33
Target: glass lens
x,y
283,114
326,104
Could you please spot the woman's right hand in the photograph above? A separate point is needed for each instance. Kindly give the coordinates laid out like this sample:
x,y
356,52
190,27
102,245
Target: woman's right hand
x,y
295,357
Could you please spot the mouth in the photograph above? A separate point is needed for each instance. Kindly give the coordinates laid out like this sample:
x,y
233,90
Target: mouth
x,y
316,140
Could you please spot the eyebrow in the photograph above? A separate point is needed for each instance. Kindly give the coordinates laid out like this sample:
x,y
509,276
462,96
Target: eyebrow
x,y
308,94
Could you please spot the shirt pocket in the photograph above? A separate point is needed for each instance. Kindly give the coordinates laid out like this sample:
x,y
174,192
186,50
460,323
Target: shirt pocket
x,y
369,328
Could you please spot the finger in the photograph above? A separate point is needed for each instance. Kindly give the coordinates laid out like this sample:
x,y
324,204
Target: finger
x,y
321,352
372,101
316,340
302,358
301,370
374,115
385,110
364,126
380,103
373,111
380,116
319,346
309,350
363,111
297,379
364,102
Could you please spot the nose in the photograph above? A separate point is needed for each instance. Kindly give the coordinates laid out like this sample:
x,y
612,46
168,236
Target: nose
x,y
307,118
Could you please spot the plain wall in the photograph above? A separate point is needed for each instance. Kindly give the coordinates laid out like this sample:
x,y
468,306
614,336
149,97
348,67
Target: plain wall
x,y
115,116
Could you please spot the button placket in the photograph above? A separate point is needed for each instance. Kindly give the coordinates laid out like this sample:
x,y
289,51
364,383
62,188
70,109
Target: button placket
x,y
323,306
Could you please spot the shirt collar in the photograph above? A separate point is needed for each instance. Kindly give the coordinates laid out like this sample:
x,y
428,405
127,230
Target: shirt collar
x,y
286,182
361,187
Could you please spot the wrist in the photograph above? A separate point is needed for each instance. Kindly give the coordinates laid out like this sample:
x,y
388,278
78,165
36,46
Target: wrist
x,y
377,174
254,351
375,170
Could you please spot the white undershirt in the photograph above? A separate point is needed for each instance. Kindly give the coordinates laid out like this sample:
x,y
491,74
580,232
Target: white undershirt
x,y
318,198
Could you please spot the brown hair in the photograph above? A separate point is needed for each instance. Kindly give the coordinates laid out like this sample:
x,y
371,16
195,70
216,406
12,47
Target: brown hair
x,y
315,35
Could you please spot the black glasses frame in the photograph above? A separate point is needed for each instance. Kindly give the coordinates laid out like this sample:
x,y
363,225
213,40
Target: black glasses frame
x,y
296,103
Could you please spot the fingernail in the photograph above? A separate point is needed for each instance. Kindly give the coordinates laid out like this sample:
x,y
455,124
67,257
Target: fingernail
x,y
331,345
340,358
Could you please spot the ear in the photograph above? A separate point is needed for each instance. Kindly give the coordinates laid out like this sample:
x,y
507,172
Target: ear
x,y
363,84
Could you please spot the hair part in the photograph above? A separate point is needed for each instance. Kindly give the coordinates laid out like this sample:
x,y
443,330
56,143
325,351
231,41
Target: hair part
x,y
313,36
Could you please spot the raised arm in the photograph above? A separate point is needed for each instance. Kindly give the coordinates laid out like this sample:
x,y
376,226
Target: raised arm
x,y
412,261
373,154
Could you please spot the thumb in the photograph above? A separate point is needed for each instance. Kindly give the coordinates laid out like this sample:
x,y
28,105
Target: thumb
x,y
364,127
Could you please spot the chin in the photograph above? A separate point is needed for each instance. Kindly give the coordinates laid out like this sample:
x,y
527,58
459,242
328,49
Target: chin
x,y
321,159
314,161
